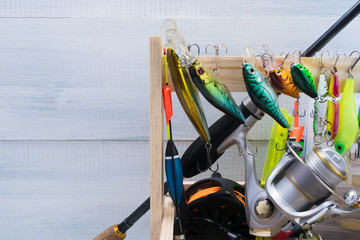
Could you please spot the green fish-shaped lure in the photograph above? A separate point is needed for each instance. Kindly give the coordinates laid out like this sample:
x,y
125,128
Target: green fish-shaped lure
x,y
215,91
262,94
303,80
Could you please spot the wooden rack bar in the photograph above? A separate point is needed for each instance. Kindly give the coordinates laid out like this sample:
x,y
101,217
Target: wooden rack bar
x,y
231,75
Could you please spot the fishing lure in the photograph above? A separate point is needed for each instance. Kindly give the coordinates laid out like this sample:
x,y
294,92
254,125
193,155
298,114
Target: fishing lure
x,y
332,119
297,133
215,91
262,94
334,89
348,122
319,123
322,87
303,80
277,139
278,78
187,94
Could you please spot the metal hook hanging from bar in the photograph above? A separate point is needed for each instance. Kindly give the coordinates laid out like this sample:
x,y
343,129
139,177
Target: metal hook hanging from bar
x,y
323,67
333,69
194,44
217,47
299,55
281,65
352,67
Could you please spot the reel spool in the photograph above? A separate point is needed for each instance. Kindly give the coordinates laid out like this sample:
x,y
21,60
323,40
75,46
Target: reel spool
x,y
218,210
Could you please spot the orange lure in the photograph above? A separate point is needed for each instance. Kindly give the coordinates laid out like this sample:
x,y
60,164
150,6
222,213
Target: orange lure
x,y
283,83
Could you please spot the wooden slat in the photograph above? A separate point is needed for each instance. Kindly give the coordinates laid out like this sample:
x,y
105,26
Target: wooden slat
x,y
156,137
231,73
167,224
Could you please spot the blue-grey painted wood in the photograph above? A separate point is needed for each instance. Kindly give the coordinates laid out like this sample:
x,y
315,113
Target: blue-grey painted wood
x,y
87,79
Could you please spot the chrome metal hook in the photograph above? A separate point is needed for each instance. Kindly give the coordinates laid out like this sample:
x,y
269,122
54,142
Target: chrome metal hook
x,y
194,44
241,152
217,47
266,60
208,147
333,69
282,63
297,112
299,52
352,67
323,67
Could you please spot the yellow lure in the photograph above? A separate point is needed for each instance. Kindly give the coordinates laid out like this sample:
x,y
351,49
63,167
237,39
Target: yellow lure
x,y
348,122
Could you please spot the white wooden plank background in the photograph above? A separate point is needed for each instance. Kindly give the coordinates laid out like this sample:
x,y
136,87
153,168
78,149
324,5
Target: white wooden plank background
x,y
74,81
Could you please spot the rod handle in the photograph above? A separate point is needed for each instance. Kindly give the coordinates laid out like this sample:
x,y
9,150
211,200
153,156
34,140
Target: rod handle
x,y
112,233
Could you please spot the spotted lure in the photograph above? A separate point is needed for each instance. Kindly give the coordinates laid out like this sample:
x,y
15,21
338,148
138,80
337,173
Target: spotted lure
x,y
348,122
215,91
262,94
303,80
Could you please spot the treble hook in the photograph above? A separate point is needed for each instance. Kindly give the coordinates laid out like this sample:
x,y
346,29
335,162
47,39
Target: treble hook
x,y
217,47
323,67
352,67
281,65
208,147
295,114
333,69
266,60
194,44
299,52
241,152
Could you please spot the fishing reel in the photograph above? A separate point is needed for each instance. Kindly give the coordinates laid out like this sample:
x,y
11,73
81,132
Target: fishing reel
x,y
217,207
297,191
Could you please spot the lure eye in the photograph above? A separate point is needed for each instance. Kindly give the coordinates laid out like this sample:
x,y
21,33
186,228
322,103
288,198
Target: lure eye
x,y
278,72
252,70
300,67
200,71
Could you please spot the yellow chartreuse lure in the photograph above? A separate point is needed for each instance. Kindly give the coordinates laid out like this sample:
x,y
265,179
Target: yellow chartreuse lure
x,y
348,122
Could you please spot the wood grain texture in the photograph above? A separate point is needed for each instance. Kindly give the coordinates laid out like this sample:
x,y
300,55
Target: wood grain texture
x,y
156,137
167,224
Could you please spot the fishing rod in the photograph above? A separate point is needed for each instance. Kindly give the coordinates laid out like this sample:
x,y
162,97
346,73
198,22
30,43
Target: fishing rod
x,y
219,131
333,30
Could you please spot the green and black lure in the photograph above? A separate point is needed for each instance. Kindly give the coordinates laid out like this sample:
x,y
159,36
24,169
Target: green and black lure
x,y
262,94
215,91
303,80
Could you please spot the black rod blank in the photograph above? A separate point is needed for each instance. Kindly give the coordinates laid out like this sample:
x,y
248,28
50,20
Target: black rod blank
x,y
333,30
